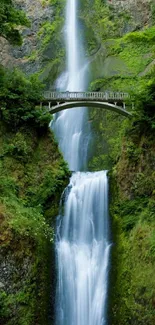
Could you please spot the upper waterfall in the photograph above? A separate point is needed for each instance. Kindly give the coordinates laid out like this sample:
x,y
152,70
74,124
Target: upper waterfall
x,y
72,47
71,127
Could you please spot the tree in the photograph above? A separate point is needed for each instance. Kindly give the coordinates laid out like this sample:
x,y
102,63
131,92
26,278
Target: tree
x,y
18,98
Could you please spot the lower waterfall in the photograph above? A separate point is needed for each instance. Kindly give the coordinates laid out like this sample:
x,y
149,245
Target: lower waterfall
x,y
82,248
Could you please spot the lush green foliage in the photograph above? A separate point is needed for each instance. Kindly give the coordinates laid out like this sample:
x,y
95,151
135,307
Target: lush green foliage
x,y
52,48
23,191
127,147
147,35
138,81
133,210
50,31
10,21
32,178
101,23
19,97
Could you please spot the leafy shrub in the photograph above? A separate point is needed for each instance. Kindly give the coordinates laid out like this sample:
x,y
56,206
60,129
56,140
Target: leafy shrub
x,y
19,97
147,35
7,183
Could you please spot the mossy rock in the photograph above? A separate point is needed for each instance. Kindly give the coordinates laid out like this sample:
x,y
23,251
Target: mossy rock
x,y
51,72
30,191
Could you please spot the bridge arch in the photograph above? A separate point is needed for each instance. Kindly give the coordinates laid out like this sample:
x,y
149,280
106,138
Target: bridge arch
x,y
96,104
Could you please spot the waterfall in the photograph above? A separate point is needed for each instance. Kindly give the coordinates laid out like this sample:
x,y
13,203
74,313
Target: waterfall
x,y
71,127
82,244
83,251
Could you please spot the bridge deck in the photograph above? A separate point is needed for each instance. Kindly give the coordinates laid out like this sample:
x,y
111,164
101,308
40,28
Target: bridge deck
x,y
114,101
85,96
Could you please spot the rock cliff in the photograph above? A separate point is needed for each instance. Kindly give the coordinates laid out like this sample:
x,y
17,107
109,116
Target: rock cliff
x,y
38,12
139,10
42,49
31,182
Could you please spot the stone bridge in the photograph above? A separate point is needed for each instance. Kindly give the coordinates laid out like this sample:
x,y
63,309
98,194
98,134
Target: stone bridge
x,y
113,101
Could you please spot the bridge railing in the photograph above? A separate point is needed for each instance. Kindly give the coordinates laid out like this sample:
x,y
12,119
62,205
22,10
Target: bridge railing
x,y
68,96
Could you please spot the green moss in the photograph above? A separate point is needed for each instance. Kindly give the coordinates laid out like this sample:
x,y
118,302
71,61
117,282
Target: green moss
x,y
33,56
11,21
50,51
132,210
32,178
132,279
146,35
126,64
52,47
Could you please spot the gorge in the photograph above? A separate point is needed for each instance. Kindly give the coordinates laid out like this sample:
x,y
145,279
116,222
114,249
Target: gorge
x,y
111,49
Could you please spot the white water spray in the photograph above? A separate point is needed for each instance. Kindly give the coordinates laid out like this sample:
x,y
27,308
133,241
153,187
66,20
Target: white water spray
x,y
71,127
82,243
83,252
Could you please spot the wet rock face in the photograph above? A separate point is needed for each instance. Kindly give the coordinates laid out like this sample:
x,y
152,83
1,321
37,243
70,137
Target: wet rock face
x,y
18,285
38,12
13,272
5,56
140,10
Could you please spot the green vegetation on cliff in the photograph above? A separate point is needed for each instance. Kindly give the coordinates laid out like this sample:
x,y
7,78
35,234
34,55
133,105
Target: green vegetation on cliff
x,y
125,62
127,66
10,21
33,175
32,178
133,211
18,96
52,48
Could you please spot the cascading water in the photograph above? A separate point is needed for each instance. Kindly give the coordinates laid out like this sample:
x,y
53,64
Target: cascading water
x,y
83,252
71,127
82,243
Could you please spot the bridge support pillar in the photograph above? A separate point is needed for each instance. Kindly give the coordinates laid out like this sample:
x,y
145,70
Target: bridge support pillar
x,y
124,106
49,105
41,104
115,103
